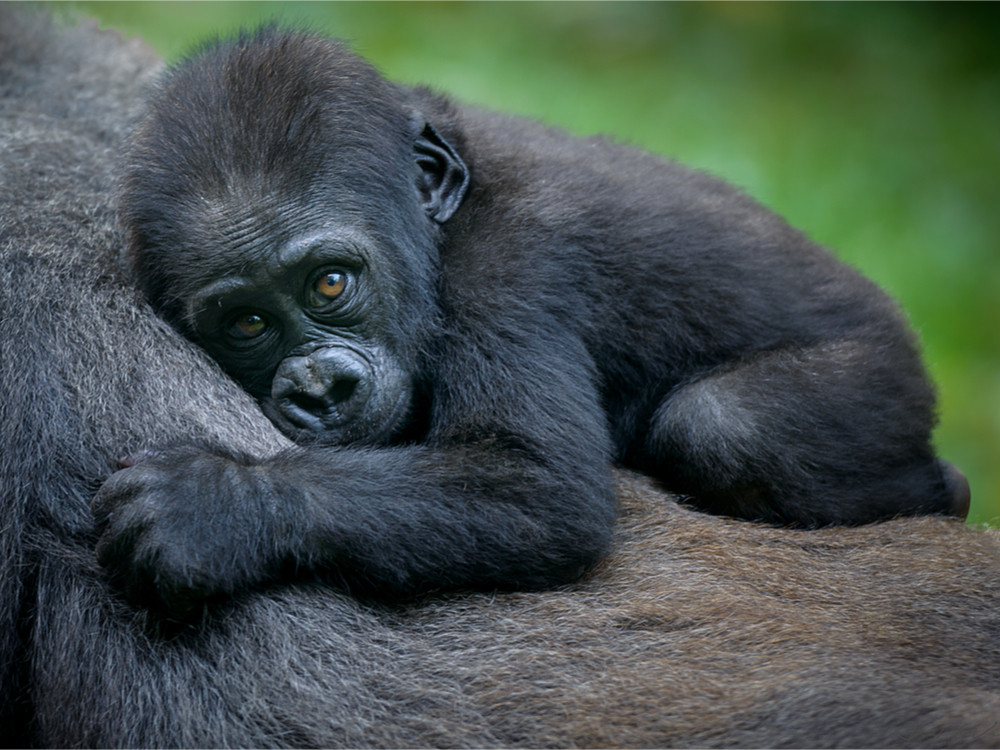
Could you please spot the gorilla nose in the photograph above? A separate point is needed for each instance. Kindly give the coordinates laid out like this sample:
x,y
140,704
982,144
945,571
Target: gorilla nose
x,y
327,386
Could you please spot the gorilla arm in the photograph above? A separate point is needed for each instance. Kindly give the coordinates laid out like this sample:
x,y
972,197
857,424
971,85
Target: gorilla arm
x,y
506,492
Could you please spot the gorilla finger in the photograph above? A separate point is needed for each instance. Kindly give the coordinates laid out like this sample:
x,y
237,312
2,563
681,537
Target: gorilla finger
x,y
105,502
116,547
118,489
132,459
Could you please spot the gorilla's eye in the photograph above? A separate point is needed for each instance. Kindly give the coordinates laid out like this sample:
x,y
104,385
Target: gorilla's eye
x,y
328,286
248,325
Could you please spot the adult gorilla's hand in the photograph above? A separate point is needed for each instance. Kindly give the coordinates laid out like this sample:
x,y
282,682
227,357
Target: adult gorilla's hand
x,y
172,537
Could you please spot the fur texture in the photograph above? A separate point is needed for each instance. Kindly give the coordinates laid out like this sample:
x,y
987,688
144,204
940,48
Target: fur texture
x,y
695,631
518,310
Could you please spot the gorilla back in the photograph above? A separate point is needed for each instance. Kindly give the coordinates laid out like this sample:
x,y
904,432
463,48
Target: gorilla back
x,y
468,318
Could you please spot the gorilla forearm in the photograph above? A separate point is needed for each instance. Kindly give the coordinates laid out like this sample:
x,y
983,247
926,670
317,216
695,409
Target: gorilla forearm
x,y
414,518
384,522
509,488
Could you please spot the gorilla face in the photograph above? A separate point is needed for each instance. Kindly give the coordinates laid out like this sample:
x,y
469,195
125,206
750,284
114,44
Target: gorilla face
x,y
307,329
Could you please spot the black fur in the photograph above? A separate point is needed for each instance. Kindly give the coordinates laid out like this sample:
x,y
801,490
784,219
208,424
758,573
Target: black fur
x,y
696,631
522,309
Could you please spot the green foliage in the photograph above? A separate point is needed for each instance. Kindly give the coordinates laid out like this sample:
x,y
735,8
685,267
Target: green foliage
x,y
875,128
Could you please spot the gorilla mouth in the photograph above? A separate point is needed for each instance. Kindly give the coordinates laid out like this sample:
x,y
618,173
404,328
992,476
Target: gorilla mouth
x,y
341,404
303,420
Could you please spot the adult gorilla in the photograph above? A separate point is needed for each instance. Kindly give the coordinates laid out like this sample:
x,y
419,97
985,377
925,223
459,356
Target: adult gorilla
x,y
697,631
471,317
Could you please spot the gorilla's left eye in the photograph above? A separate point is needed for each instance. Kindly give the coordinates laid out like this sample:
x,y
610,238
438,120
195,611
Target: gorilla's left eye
x,y
328,286
248,325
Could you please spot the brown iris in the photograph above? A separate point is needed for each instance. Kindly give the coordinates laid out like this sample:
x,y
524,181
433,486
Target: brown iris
x,y
330,285
249,325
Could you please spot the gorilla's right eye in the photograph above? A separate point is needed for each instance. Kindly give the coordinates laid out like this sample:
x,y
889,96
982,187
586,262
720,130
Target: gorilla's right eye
x,y
327,287
330,285
248,325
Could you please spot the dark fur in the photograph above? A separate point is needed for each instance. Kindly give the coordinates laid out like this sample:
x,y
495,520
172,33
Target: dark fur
x,y
696,630
585,304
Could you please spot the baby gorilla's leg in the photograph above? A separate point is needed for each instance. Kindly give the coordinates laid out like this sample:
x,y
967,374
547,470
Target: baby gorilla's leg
x,y
832,433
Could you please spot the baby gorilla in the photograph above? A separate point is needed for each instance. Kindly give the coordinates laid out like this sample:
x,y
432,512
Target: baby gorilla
x,y
464,319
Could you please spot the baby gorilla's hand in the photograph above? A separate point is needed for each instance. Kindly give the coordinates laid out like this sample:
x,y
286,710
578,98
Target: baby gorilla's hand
x,y
172,537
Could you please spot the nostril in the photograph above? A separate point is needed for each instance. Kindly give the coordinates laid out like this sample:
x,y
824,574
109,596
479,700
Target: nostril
x,y
342,390
337,393
328,387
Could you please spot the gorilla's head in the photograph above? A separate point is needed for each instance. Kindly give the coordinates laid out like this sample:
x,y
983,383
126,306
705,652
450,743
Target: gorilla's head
x,y
282,205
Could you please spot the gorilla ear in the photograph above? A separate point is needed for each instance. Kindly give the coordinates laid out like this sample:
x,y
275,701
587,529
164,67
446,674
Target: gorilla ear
x,y
443,179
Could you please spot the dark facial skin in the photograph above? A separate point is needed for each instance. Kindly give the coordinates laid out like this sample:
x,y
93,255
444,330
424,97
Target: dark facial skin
x,y
304,335
464,320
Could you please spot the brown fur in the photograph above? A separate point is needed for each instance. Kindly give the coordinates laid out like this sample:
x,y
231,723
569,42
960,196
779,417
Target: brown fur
x,y
706,631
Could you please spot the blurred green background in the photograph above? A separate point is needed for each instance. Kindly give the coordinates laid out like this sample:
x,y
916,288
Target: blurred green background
x,y
873,127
